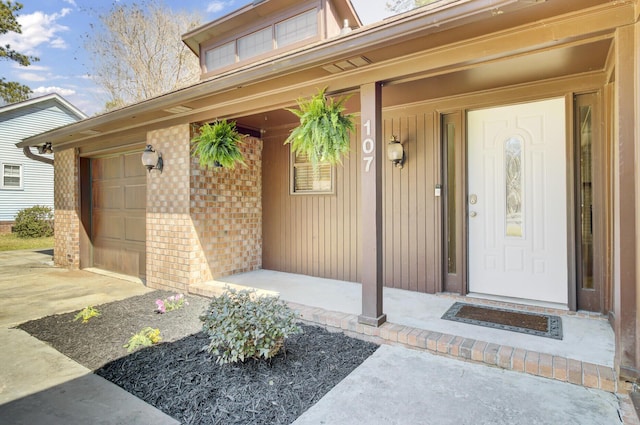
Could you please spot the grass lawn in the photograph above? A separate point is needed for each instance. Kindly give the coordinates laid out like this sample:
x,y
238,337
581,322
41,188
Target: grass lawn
x,y
11,242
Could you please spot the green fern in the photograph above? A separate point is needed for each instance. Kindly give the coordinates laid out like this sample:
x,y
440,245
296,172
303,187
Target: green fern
x,y
217,145
323,133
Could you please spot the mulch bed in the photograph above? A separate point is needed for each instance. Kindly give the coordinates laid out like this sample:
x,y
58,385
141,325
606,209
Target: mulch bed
x,y
182,380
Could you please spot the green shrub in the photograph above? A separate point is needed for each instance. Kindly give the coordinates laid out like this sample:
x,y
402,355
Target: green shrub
x,y
242,325
34,222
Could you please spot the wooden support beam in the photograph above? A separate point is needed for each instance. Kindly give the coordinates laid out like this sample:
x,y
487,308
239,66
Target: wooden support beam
x,y
371,172
625,215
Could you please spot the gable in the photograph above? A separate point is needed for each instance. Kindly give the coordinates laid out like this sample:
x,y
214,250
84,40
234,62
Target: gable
x,y
19,123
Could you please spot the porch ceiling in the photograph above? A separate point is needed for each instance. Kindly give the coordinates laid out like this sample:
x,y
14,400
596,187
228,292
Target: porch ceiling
x,y
462,47
544,65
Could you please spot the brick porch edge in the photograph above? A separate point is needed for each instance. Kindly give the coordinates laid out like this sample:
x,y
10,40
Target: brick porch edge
x,y
517,359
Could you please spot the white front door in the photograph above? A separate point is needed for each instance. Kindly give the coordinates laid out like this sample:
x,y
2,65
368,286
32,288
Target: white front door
x,y
517,201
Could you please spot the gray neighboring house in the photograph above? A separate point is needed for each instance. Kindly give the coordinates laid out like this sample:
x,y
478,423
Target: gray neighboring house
x,y
26,176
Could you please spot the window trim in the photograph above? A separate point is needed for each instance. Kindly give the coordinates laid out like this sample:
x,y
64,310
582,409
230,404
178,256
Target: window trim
x,y
2,175
292,183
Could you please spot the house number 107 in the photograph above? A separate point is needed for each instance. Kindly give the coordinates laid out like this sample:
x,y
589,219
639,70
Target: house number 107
x,y
368,146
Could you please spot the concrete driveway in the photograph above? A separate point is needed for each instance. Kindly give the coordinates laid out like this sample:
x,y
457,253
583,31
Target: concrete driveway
x,y
38,385
31,287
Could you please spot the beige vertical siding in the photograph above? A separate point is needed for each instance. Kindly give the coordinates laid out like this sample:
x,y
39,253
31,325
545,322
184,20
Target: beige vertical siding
x,y
317,235
411,211
320,235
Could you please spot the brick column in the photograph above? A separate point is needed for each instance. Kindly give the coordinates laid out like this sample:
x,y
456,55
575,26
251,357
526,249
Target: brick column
x,y
172,246
66,251
201,223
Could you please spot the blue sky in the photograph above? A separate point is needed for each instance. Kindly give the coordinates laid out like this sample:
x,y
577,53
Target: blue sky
x,y
52,30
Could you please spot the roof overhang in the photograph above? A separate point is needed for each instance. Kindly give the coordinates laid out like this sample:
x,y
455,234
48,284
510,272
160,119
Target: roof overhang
x,y
396,46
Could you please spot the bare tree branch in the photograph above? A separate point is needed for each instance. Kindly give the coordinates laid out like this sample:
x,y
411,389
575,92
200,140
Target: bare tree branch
x,y
137,52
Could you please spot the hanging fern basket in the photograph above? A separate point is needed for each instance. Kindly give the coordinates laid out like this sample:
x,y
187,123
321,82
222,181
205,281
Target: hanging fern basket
x,y
323,133
218,145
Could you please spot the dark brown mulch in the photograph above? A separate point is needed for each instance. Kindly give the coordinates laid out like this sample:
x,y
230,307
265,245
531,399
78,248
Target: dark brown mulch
x,y
183,381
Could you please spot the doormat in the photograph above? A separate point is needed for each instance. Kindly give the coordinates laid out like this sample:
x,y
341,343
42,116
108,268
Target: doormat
x,y
508,320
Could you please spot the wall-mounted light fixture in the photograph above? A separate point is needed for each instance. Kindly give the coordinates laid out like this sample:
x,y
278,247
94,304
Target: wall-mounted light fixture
x,y
152,159
395,152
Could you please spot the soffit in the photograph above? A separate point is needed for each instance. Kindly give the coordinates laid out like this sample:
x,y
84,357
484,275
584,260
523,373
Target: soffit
x,y
544,65
276,84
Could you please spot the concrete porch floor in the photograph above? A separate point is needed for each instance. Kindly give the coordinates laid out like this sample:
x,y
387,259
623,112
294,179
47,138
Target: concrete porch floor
x,y
584,356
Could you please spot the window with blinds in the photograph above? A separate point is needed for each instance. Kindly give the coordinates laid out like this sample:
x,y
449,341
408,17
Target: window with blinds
x,y
307,180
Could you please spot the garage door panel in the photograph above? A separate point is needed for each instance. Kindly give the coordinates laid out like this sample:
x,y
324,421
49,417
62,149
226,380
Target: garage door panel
x,y
107,196
128,260
133,166
105,255
135,230
118,230
135,196
108,168
131,261
108,226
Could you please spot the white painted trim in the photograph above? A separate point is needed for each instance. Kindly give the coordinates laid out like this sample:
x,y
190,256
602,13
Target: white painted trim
x,y
2,186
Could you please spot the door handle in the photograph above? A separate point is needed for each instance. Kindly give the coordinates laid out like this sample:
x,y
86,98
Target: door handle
x,y
473,199
473,214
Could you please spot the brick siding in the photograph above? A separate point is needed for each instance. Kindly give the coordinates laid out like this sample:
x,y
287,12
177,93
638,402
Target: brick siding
x,y
6,226
226,209
172,251
201,224
67,210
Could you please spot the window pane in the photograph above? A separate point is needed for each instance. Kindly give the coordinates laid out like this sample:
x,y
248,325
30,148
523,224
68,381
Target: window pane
x,y
220,56
586,198
11,176
513,186
451,196
254,44
297,28
306,179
